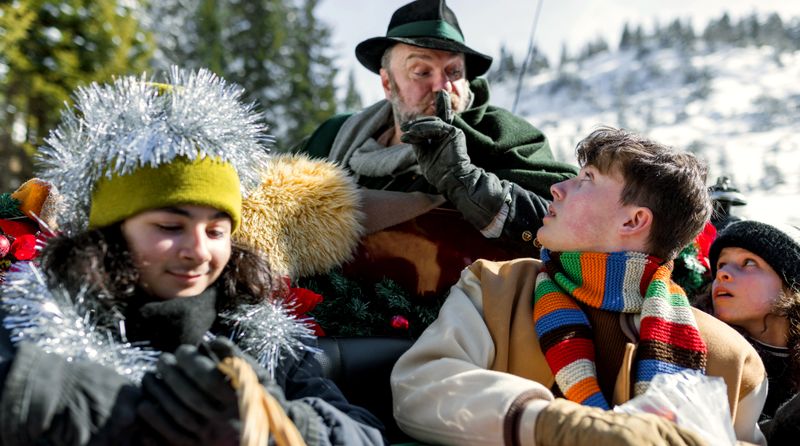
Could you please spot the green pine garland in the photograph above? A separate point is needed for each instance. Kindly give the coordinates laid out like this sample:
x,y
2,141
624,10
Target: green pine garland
x,y
9,207
359,308
689,273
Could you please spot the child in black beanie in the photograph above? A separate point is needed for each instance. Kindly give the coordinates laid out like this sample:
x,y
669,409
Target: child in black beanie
x,y
756,270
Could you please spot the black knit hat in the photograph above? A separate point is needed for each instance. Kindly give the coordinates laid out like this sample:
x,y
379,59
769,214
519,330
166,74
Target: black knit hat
x,y
777,244
427,24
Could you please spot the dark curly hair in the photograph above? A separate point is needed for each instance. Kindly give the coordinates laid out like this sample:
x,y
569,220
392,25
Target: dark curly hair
x,y
100,262
788,306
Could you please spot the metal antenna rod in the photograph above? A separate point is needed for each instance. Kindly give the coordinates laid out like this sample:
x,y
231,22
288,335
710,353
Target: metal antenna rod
x,y
528,55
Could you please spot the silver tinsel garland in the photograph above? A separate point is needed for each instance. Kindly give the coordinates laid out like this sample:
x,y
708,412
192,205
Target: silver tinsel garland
x,y
119,127
66,325
76,328
280,333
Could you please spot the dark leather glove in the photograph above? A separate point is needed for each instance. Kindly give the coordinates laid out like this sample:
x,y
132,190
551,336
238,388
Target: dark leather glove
x,y
49,400
441,151
304,417
566,423
784,427
192,402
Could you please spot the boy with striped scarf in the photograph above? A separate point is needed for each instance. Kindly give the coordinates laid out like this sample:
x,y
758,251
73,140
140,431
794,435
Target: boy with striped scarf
x,y
532,352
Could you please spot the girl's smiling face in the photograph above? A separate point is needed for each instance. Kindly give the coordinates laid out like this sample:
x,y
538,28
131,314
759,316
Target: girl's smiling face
x,y
179,251
745,289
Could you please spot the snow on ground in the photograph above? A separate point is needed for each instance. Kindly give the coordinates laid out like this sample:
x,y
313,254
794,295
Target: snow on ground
x,y
737,108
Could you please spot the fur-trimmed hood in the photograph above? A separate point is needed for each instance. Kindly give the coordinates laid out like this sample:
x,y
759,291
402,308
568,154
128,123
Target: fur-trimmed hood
x,y
305,216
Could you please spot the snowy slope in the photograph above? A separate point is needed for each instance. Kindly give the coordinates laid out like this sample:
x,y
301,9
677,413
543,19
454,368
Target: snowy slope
x,y
737,108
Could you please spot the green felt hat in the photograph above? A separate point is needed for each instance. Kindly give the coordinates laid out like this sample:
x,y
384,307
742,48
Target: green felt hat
x,y
427,24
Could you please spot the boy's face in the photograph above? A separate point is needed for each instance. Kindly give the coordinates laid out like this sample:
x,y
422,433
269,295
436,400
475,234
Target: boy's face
x,y
586,214
179,251
745,289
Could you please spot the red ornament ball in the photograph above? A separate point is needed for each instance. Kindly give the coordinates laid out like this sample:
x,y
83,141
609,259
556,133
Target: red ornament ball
x,y
24,247
399,322
5,246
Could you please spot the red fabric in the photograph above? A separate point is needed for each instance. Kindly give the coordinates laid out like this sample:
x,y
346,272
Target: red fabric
x,y
569,351
704,241
680,335
303,300
16,228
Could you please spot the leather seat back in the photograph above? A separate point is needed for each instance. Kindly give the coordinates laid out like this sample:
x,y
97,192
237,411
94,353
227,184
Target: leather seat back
x,y
360,367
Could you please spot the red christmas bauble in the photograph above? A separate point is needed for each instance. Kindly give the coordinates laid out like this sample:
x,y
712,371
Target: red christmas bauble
x,y
24,247
5,246
399,322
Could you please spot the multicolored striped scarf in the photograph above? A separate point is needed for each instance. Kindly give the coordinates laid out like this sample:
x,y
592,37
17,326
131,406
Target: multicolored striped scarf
x,y
625,282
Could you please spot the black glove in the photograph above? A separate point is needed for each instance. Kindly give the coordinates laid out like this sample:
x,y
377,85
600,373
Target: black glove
x,y
784,428
47,399
192,403
442,155
304,417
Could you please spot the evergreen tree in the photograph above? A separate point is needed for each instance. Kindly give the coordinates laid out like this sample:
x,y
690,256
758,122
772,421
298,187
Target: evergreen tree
x,y
720,31
352,100
254,37
596,46
750,31
312,94
174,28
626,40
793,33
505,68
638,42
564,58
537,63
208,26
774,33
677,35
49,48
274,49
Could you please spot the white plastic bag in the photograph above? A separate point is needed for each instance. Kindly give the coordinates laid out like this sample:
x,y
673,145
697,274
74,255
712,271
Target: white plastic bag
x,y
691,400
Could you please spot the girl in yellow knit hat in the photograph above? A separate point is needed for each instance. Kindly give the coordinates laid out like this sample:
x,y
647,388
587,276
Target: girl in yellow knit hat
x,y
115,337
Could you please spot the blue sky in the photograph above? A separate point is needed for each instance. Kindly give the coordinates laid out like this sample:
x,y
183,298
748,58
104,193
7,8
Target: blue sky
x,y
488,24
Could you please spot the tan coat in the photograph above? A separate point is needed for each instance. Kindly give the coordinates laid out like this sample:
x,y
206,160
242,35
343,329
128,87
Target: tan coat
x,y
478,371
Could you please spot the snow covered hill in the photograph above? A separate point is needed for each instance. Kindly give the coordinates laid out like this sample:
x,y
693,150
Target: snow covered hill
x,y
737,108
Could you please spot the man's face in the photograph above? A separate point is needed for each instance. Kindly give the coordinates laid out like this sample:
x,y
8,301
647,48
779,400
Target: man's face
x,y
416,74
586,214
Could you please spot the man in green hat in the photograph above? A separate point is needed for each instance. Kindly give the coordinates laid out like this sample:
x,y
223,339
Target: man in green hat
x,y
493,167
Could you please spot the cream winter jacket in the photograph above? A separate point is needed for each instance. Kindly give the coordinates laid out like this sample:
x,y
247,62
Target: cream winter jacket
x,y
478,376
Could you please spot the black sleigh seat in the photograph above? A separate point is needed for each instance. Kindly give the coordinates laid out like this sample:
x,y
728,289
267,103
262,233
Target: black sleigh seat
x,y
360,367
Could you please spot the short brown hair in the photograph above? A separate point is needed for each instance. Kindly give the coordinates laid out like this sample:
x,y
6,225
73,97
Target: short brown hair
x,y
669,183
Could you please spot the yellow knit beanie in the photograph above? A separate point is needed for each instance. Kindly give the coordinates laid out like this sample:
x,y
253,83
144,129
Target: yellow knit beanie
x,y
203,182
